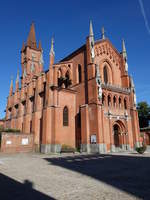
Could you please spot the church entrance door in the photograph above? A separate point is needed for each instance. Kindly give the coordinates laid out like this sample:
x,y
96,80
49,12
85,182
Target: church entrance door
x,y
116,135
119,136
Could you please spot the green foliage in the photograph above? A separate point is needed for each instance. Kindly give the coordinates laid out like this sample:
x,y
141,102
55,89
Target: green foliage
x,y
77,149
141,149
12,130
0,138
144,113
9,130
67,148
143,109
1,128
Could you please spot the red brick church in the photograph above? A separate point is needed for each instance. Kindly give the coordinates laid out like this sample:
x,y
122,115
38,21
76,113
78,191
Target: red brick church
x,y
87,100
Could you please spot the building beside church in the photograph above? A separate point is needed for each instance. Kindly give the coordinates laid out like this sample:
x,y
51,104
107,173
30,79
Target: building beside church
x,y
87,100
1,123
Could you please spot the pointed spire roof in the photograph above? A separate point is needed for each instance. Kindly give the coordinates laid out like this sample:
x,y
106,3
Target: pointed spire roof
x,y
91,29
91,41
17,78
11,82
23,47
124,53
40,45
103,33
31,41
52,47
17,81
11,86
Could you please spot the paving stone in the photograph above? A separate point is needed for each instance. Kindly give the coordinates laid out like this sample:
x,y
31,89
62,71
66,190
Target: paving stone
x,y
65,177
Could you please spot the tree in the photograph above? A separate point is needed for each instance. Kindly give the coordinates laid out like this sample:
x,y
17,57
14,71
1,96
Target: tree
x,y
144,114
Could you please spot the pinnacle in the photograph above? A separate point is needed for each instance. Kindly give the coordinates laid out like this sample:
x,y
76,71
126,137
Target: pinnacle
x,y
124,53
23,47
91,29
103,33
40,45
52,46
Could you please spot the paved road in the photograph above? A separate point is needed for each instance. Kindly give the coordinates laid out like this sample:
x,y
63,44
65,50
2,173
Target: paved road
x,y
90,177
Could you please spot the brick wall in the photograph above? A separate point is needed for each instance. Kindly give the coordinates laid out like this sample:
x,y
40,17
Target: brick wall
x,y
16,142
1,122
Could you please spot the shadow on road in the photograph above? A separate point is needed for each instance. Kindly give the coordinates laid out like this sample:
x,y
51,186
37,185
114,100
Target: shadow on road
x,y
13,190
128,173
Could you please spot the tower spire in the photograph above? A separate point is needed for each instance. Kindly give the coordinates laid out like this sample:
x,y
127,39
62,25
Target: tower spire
x,y
17,81
124,54
17,78
40,45
91,29
91,40
52,53
23,47
11,87
103,33
52,47
31,41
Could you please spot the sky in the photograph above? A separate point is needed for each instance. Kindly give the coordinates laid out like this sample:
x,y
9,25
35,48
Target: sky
x,y
68,22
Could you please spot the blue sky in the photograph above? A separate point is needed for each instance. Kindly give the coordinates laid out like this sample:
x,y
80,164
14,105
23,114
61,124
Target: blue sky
x,y
68,21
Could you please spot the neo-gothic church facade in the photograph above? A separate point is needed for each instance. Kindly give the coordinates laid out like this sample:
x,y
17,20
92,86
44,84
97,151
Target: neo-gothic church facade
x,y
86,101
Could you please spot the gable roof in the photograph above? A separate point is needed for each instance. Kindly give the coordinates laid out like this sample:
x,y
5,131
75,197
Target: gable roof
x,y
83,47
77,51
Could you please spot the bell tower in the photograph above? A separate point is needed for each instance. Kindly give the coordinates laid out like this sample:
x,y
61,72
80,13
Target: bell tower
x,y
31,57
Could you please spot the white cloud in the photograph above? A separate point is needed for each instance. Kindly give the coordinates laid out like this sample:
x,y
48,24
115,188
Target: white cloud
x,y
144,15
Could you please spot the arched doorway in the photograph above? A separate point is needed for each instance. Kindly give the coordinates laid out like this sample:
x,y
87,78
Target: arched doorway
x,y
116,129
120,135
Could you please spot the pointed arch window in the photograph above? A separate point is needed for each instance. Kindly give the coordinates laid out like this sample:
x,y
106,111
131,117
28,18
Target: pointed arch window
x,y
79,73
65,116
103,99
125,104
31,126
109,100
59,78
114,101
105,74
67,81
120,102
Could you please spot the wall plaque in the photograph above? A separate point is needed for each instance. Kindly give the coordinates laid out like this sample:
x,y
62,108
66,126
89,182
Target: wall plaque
x,y
93,139
25,141
8,142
